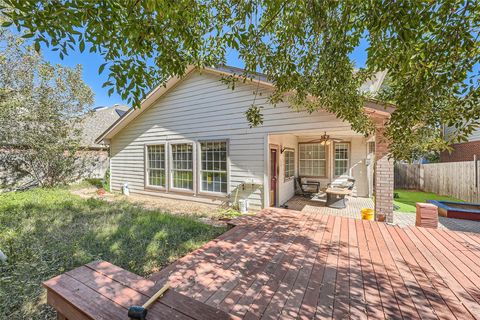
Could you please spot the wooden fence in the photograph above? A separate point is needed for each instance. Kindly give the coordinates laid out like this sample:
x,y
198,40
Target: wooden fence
x,y
455,179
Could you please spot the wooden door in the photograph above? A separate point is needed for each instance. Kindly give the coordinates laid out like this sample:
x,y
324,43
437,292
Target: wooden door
x,y
273,176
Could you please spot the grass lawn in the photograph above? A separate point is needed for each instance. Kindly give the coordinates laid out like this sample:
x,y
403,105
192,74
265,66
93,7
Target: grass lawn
x,y
47,232
407,199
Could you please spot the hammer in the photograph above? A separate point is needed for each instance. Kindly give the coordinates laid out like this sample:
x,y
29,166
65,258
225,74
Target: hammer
x,y
140,312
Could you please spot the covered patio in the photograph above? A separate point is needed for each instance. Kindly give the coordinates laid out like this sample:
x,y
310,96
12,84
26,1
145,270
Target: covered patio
x,y
285,264
316,170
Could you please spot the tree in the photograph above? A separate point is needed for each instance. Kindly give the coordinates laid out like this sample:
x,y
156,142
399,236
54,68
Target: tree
x,y
430,49
41,107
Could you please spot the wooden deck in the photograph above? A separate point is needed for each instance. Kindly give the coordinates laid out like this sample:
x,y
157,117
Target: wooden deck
x,y
293,265
100,290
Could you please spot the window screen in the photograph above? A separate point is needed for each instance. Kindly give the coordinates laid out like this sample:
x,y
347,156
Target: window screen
x,y
214,166
182,166
371,147
342,154
156,165
312,160
289,163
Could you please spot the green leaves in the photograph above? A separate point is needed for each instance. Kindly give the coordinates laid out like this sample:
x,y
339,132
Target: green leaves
x,y
41,107
254,115
101,68
430,49
81,46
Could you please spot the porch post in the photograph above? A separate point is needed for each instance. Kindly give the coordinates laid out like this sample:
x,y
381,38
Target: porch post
x,y
383,173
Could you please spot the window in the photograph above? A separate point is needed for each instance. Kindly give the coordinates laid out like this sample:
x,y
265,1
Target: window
x,y
156,165
371,147
213,170
289,163
342,151
312,159
182,166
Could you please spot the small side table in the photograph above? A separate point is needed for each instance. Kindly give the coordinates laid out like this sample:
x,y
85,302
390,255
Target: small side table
x,y
336,197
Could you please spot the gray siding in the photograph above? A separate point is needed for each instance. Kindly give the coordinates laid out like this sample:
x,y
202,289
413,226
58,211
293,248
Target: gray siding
x,y
202,107
475,136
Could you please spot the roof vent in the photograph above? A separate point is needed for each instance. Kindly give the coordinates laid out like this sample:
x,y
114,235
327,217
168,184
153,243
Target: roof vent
x,y
100,108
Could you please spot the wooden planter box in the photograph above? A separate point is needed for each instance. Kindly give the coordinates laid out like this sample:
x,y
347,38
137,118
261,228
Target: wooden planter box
x,y
427,215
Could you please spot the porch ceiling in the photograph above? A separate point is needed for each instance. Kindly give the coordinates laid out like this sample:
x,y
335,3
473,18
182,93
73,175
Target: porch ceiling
x,y
319,132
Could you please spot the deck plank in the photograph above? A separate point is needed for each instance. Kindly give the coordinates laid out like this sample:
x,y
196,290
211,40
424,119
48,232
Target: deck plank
x,y
292,306
92,304
243,285
457,254
404,301
273,294
248,266
341,307
370,282
269,282
387,294
429,283
327,293
122,295
131,282
312,293
357,307
305,265
428,255
455,267
415,292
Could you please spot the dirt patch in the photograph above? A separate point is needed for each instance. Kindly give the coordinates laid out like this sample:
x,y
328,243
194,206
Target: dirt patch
x,y
210,214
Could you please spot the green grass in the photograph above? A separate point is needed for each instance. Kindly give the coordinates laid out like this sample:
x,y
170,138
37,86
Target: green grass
x,y
47,232
88,183
407,198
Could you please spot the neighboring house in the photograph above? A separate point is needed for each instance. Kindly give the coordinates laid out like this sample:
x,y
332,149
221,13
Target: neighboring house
x,y
464,151
99,119
191,140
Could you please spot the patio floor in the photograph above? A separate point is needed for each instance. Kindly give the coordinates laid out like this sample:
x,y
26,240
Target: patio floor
x,y
354,205
289,264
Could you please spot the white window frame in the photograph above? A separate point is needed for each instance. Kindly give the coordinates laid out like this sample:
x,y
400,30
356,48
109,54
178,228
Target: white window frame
x,y
287,178
146,166
199,167
325,159
347,143
369,143
194,165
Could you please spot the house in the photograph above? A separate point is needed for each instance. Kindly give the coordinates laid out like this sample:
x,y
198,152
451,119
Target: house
x,y
96,122
463,151
190,140
96,156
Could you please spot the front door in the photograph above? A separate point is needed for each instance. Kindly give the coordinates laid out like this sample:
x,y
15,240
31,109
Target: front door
x,y
273,176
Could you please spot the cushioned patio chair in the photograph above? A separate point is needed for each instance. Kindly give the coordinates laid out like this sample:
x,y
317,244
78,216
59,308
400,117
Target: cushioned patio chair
x,y
301,189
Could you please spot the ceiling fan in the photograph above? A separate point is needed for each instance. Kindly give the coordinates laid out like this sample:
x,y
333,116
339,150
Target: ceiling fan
x,y
324,138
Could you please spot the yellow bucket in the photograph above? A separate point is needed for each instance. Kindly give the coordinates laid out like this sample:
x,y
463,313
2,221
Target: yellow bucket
x,y
368,214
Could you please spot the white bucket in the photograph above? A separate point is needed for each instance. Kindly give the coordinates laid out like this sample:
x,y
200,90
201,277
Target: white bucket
x,y
243,205
125,189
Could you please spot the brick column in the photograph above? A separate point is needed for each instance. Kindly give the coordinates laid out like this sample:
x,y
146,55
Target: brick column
x,y
383,186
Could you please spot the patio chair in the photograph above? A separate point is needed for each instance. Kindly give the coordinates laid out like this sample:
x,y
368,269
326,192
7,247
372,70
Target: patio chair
x,y
301,190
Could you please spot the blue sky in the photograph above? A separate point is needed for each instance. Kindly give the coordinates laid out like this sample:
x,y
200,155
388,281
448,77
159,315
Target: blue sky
x,y
92,61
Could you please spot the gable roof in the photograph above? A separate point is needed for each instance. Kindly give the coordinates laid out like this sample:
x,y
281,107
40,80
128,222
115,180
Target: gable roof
x,y
371,86
97,122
